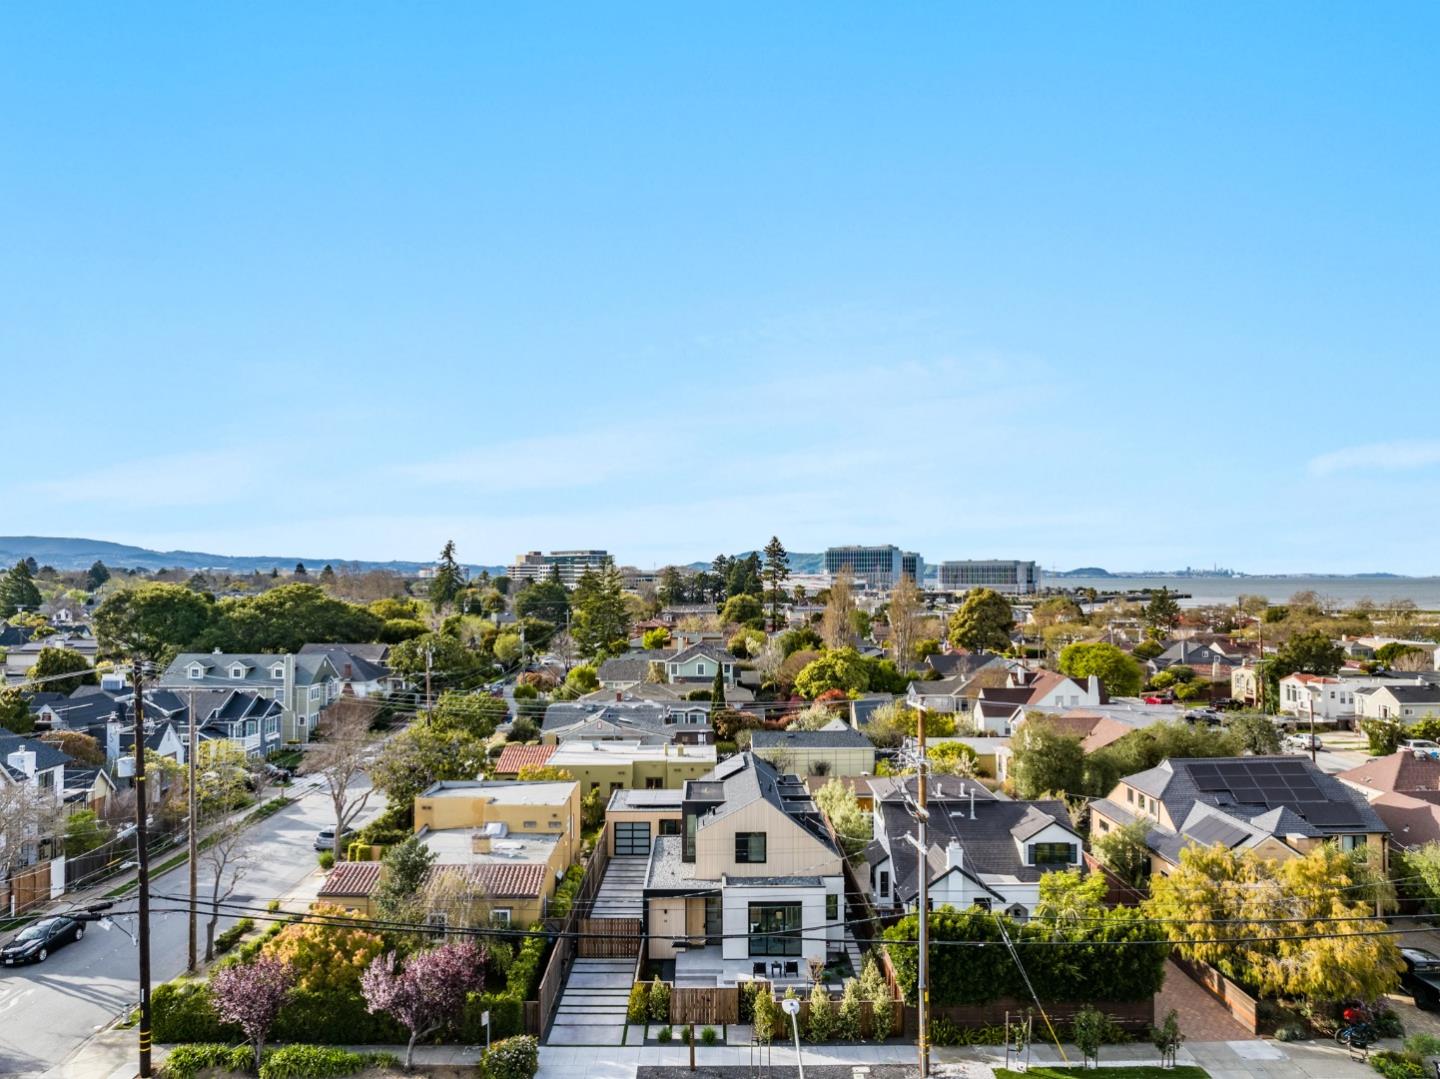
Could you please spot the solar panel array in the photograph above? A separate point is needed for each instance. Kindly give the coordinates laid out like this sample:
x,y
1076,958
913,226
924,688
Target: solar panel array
x,y
1274,784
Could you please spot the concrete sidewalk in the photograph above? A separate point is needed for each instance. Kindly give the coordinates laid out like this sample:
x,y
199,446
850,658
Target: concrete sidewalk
x,y
112,1055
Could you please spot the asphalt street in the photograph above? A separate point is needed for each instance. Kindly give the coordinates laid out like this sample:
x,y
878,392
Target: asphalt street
x,y
48,1010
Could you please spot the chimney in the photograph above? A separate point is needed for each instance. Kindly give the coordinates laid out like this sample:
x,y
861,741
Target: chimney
x,y
22,760
954,855
972,803
479,843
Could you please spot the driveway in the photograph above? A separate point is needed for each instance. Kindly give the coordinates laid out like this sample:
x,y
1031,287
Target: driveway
x,y
592,1005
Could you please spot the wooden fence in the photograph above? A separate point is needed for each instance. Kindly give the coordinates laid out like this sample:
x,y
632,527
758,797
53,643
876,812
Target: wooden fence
x,y
706,1005
609,938
1135,1017
27,888
1240,1004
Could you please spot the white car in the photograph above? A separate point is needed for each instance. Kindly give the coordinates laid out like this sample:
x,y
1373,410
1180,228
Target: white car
x,y
1422,747
1304,742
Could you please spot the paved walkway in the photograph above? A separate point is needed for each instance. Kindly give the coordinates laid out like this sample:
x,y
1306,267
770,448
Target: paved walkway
x,y
622,889
1202,1017
111,1055
592,1006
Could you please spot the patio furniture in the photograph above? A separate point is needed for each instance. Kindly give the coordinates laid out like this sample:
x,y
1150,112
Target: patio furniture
x,y
792,970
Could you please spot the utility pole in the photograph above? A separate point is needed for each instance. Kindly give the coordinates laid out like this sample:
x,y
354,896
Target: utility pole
x,y
1310,696
193,822
142,809
429,704
923,875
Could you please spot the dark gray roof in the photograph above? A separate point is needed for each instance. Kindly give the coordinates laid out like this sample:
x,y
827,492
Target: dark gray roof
x,y
992,842
846,737
704,650
46,755
746,778
949,665
940,788
1413,694
863,708
1284,795
631,667
353,662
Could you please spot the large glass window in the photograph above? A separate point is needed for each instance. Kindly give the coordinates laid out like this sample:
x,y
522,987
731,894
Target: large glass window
x,y
688,853
775,929
1049,854
749,847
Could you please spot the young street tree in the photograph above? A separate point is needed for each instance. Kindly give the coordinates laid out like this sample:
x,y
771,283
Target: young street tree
x,y
225,861
429,992
339,759
27,814
251,996
777,572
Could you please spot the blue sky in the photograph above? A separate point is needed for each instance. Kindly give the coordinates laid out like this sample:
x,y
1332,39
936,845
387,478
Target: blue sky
x,y
1130,285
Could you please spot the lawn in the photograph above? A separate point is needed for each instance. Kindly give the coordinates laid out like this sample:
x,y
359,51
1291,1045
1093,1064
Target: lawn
x,y
1039,1071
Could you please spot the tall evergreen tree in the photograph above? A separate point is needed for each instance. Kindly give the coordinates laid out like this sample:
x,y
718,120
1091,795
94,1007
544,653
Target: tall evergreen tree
x,y
777,572
600,617
300,570
17,590
1162,613
96,575
717,689
449,579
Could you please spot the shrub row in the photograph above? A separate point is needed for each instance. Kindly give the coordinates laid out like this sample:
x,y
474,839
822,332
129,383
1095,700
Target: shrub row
x,y
230,937
285,1062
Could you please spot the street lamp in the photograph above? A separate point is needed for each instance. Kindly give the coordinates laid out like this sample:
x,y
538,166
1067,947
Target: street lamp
x,y
791,1007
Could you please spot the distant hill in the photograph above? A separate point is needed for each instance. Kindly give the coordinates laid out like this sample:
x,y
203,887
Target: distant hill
x,y
800,562
1083,571
69,554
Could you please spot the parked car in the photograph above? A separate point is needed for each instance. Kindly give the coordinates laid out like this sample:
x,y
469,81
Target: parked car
x,y
1422,747
1421,977
1160,698
1228,704
1304,742
35,942
278,774
325,840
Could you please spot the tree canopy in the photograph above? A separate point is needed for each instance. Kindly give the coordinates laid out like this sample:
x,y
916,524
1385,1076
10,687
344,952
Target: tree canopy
x,y
983,622
1120,674
18,590
838,668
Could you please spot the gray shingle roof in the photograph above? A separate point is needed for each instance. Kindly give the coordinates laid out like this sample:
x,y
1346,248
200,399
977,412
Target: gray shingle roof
x,y
846,737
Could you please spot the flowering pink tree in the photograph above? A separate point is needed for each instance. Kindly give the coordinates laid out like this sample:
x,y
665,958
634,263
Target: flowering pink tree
x,y
252,995
429,991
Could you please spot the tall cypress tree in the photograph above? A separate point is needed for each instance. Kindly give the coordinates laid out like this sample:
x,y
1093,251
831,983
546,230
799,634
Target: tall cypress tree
x,y
777,572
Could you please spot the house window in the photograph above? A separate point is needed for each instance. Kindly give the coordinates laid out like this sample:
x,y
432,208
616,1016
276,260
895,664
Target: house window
x,y
775,929
196,671
688,851
669,827
436,920
237,671
749,848
700,668
277,671
500,915
1130,795
674,668
616,786
982,904
1351,842
832,907
47,781
654,783
884,887
1051,854
530,825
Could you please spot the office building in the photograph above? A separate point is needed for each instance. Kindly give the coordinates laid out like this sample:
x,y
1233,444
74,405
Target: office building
x,y
877,567
570,565
1013,578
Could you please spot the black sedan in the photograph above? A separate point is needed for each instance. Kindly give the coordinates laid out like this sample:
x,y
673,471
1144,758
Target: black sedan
x,y
1421,977
34,943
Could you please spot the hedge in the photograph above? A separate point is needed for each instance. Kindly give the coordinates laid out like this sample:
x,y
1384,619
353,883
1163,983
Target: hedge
x,y
1080,967
230,937
285,1062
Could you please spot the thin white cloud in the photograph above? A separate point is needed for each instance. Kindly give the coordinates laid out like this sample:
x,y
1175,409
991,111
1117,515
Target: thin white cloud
x,y
1396,456
203,478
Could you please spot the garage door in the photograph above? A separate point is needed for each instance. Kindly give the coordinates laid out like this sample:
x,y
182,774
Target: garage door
x,y
632,838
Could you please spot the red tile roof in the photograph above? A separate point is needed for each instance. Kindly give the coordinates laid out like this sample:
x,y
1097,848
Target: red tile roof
x,y
511,880
514,757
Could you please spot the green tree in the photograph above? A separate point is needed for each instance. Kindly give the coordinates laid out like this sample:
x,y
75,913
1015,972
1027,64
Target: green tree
x,y
1383,735
61,661
799,640
478,714
717,688
777,572
328,956
403,869
1046,761
545,600
449,579
983,622
84,831
1119,673
152,621
1125,851
1394,653
851,823
601,619
652,640
839,668
1162,613
582,680
96,575
452,665
15,715
422,755
286,618
742,608
1311,652
1253,733
17,590
670,589
327,576
1070,896
508,648
728,722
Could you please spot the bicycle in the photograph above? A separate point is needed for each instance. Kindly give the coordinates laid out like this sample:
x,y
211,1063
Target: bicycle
x,y
1358,1032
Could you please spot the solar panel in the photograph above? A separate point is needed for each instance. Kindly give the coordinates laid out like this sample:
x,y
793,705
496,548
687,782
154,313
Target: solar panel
x,y
1214,830
1331,814
1247,794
